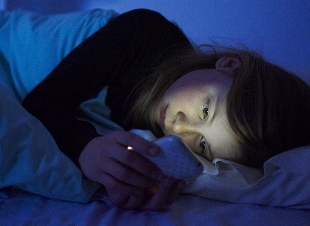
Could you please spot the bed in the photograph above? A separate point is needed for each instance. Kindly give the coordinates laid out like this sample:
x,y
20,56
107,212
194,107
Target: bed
x,y
40,186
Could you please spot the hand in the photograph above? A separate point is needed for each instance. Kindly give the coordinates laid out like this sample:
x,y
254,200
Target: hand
x,y
165,194
125,173
155,198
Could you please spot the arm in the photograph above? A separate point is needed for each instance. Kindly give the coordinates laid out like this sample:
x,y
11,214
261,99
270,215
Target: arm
x,y
117,55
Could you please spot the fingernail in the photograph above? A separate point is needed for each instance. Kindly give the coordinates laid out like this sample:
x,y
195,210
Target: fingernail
x,y
153,151
181,185
169,203
158,176
138,192
168,183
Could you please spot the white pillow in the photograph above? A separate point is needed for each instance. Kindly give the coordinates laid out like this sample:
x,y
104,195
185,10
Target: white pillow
x,y
30,159
285,181
32,45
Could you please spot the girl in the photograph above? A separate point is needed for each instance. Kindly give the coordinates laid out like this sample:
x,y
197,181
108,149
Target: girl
x,y
230,104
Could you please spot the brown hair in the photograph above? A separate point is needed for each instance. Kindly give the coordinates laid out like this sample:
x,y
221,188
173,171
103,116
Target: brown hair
x,y
268,108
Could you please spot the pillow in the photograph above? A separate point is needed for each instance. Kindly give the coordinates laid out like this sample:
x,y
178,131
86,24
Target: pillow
x,y
285,181
32,45
30,159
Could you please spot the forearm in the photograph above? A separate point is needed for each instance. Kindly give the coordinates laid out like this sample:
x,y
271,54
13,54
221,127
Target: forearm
x,y
119,55
59,118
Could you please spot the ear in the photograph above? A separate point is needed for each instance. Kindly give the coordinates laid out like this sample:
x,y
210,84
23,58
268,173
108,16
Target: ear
x,y
227,64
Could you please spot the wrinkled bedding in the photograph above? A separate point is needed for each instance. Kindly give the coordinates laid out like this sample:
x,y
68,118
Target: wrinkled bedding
x,y
39,185
20,208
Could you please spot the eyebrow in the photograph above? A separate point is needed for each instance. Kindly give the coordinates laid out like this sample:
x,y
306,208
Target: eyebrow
x,y
215,110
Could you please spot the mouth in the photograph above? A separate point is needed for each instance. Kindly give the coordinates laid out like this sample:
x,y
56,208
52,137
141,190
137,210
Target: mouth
x,y
163,116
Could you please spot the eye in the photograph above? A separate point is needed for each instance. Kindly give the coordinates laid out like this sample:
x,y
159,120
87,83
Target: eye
x,y
202,145
204,149
205,111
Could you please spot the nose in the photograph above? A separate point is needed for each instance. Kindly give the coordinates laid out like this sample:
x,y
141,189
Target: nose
x,y
183,125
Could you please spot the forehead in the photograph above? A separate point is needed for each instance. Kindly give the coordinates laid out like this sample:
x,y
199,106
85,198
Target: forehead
x,y
204,76
204,80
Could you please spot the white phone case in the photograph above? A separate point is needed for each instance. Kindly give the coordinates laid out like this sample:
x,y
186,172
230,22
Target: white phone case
x,y
175,159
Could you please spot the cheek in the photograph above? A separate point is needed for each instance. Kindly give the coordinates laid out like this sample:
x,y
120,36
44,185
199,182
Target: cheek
x,y
223,142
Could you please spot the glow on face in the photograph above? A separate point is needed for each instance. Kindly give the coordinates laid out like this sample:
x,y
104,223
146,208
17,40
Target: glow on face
x,y
194,108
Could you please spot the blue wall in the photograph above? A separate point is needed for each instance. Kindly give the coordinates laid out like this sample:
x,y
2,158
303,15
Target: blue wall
x,y
279,29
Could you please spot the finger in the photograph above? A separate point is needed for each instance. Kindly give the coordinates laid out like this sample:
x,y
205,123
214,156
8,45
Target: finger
x,y
118,199
134,160
127,174
113,185
138,143
174,192
133,202
158,200
125,201
141,165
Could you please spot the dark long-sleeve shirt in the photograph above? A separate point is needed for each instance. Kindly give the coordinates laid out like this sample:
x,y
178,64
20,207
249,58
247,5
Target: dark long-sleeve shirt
x,y
118,55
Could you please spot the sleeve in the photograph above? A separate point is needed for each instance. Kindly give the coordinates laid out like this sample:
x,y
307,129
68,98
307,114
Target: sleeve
x,y
109,56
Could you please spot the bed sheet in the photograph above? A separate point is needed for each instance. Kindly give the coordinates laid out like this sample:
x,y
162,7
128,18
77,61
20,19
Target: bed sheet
x,y
21,208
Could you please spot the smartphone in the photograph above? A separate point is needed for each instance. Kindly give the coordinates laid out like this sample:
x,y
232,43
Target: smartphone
x,y
175,159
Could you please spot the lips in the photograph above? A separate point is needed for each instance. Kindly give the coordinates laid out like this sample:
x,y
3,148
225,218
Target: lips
x,y
163,116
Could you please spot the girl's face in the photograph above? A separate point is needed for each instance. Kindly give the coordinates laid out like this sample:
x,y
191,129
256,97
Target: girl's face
x,y
194,108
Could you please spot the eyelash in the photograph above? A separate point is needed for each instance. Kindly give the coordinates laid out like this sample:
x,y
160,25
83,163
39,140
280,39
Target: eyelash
x,y
202,144
205,111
